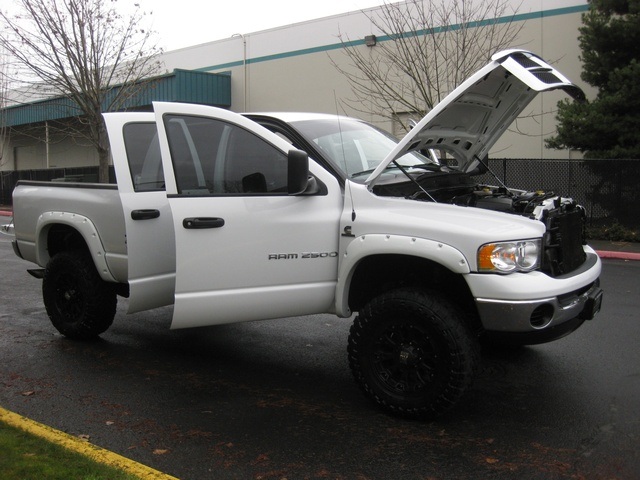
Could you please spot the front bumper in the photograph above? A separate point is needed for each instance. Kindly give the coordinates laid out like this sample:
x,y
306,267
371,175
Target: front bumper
x,y
559,305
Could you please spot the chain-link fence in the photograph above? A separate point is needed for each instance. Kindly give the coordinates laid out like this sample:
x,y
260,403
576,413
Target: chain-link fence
x,y
608,189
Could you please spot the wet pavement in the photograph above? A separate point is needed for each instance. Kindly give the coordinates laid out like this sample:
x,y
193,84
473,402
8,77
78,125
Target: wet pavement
x,y
275,400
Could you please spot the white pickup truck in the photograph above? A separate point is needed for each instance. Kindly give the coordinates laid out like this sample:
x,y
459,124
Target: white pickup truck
x,y
233,218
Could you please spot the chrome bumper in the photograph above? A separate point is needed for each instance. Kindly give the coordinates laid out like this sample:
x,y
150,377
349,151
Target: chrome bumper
x,y
535,315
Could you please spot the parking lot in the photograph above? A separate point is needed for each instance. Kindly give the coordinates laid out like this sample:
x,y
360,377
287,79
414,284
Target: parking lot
x,y
275,400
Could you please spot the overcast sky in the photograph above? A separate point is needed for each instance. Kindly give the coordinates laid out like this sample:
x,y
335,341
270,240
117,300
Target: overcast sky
x,y
183,23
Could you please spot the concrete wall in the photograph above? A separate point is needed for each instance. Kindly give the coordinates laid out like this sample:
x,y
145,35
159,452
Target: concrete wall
x,y
29,151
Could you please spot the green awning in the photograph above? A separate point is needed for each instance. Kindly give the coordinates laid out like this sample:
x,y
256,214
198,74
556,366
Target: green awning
x,y
179,86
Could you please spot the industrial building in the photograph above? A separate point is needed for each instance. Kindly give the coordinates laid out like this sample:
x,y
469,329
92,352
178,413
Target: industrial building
x,y
293,68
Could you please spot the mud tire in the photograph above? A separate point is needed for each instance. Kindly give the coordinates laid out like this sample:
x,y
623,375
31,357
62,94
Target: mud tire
x,y
79,303
412,353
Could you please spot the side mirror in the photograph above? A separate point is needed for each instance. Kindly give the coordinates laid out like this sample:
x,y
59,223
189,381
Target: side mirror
x,y
298,172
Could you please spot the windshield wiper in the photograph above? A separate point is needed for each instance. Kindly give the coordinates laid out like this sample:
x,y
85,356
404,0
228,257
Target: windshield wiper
x,y
422,166
370,171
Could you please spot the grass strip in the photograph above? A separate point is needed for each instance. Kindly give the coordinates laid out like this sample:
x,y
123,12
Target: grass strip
x,y
56,449
26,456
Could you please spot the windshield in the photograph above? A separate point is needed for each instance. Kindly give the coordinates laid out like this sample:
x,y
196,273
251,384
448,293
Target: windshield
x,y
355,147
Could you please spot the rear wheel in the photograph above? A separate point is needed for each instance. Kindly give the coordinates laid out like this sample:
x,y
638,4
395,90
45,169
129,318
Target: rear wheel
x,y
79,303
411,352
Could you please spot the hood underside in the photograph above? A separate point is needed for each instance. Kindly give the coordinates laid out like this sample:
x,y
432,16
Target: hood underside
x,y
469,121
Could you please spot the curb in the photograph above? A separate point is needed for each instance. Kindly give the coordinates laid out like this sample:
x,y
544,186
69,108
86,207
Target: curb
x,y
70,442
618,255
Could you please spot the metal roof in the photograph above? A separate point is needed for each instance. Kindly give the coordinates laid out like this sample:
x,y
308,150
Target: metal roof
x,y
179,86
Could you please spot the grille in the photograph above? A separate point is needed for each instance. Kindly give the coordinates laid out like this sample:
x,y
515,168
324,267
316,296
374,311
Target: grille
x,y
563,241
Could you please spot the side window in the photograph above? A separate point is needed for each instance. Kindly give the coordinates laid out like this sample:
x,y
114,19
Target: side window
x,y
143,154
211,157
253,166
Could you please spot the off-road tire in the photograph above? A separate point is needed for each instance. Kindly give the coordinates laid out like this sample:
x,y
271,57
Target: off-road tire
x,y
79,303
412,353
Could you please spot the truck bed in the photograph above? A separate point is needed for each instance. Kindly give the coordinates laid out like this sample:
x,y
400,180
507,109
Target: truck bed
x,y
96,201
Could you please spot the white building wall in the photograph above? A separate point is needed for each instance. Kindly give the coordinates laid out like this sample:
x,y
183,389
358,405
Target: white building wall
x,y
289,69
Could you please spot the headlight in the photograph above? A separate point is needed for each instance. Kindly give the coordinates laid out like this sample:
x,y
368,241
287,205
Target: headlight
x,y
506,257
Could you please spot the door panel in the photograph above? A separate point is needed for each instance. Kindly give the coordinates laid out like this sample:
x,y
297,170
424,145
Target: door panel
x,y
264,254
148,221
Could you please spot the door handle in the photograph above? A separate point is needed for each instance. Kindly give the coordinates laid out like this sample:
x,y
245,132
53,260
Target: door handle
x,y
146,214
203,222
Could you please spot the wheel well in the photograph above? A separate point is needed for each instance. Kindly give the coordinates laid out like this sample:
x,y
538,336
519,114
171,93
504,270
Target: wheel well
x,y
64,238
379,273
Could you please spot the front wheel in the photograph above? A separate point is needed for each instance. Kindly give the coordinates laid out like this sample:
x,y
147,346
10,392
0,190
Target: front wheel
x,y
79,303
411,352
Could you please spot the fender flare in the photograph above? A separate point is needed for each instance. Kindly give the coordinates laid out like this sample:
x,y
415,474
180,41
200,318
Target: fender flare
x,y
382,244
85,227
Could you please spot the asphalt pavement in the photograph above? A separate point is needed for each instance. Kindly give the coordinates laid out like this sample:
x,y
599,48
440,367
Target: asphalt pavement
x,y
275,400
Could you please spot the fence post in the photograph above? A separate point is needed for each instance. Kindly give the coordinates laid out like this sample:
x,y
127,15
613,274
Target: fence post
x,y
570,192
504,171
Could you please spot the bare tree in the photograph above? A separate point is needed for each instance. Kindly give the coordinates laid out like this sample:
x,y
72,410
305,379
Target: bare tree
x,y
83,52
421,51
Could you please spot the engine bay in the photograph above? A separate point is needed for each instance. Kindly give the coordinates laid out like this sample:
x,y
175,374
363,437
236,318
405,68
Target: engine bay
x,y
564,219
458,188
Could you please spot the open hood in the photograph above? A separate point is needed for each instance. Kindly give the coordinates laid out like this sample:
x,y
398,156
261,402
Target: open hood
x,y
469,121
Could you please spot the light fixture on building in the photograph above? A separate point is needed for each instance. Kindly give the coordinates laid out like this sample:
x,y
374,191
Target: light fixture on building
x,y
370,40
